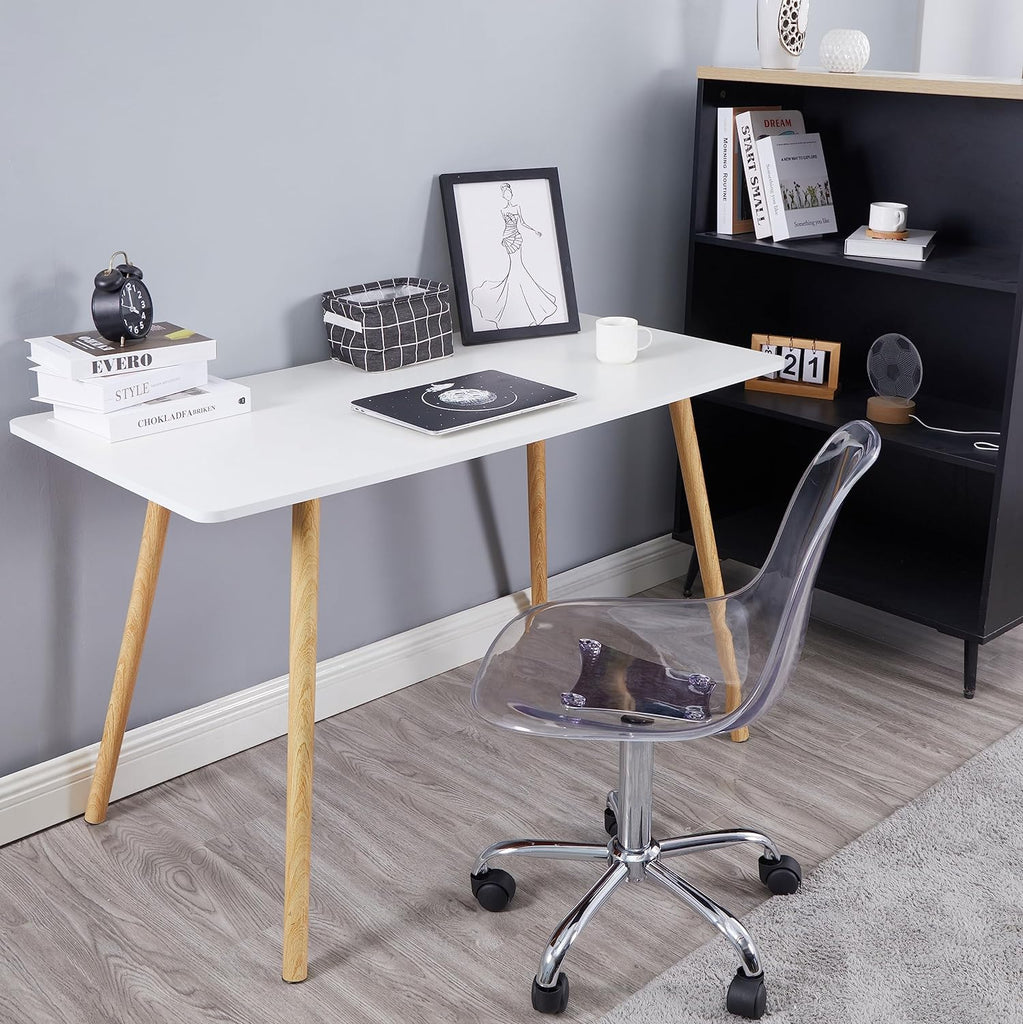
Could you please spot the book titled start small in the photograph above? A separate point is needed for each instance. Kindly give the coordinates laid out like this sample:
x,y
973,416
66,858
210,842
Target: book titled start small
x,y
87,354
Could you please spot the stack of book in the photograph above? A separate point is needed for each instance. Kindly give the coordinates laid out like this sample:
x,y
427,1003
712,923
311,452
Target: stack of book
x,y
120,392
787,190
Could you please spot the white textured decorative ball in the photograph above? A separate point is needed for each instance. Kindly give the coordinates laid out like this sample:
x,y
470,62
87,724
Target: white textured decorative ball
x,y
846,50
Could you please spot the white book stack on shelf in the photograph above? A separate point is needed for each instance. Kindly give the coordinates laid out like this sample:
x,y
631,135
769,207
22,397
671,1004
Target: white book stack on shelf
x,y
120,392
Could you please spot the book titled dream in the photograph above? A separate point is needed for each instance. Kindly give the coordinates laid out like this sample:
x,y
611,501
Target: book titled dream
x,y
750,126
796,185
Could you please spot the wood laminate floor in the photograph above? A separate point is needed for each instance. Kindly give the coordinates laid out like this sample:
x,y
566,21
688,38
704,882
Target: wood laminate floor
x,y
171,910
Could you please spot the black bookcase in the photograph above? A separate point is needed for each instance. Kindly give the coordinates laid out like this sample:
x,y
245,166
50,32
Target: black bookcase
x,y
934,533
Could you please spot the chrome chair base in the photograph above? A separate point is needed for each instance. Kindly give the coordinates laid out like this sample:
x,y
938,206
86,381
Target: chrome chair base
x,y
632,856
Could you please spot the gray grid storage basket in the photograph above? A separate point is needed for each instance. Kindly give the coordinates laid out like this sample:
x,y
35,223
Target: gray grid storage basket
x,y
382,325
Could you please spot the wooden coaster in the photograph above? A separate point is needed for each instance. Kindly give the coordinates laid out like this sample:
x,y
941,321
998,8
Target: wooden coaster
x,y
898,236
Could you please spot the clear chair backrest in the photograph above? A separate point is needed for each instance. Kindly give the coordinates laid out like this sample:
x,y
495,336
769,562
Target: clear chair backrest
x,y
777,601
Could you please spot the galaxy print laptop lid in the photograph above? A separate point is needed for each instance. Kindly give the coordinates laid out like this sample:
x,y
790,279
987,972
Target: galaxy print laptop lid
x,y
454,403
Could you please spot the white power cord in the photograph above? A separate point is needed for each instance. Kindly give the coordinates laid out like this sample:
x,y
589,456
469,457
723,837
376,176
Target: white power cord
x,y
981,446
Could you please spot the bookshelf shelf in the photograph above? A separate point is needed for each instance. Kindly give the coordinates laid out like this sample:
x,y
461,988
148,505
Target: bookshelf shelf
x,y
874,81
827,416
962,265
935,533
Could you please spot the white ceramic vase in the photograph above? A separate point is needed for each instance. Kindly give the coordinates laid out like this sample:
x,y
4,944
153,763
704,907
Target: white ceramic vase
x,y
844,50
781,32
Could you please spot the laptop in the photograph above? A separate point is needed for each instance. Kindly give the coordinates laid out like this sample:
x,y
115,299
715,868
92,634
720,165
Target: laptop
x,y
454,403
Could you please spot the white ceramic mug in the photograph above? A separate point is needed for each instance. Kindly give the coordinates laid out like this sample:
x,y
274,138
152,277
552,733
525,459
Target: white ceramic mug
x,y
618,339
888,216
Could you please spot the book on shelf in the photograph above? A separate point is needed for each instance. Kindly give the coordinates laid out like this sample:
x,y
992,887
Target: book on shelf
x,y
750,127
917,246
215,400
88,354
734,216
796,186
120,390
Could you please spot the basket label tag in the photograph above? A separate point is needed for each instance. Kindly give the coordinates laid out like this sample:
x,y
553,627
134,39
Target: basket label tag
x,y
341,321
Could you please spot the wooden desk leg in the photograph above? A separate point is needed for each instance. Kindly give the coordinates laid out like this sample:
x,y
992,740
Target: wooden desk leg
x,y
536,474
706,548
147,570
305,558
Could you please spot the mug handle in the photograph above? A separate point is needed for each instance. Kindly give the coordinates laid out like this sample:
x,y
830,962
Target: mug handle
x,y
903,220
650,338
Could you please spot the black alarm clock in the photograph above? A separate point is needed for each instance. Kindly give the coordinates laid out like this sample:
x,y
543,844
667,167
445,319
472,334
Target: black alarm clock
x,y
122,308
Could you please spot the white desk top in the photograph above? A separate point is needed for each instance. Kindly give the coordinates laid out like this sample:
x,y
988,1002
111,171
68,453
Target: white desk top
x,y
303,440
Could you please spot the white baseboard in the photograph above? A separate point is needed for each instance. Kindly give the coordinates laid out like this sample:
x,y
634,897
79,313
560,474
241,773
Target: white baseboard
x,y
45,794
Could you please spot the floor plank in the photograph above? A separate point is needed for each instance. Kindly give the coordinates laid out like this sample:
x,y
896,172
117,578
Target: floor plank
x,y
171,910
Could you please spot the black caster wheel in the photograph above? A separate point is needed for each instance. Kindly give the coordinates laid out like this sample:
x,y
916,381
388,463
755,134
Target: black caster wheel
x,y
551,1000
610,822
747,997
781,876
493,889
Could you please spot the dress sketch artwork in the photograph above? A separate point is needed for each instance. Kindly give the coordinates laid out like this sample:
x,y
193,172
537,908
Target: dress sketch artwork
x,y
517,299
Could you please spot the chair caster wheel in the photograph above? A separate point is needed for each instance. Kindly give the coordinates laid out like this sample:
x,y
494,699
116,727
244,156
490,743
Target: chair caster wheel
x,y
781,876
551,1000
493,889
747,997
610,822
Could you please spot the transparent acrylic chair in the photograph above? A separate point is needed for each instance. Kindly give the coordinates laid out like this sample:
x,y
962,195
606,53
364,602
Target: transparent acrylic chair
x,y
639,671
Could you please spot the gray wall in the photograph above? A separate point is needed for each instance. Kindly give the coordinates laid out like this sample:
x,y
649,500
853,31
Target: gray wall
x,y
249,156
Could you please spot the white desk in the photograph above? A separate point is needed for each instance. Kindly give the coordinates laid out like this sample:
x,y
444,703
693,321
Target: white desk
x,y
302,442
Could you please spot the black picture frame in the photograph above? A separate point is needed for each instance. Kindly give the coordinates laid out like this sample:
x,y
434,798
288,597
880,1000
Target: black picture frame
x,y
486,238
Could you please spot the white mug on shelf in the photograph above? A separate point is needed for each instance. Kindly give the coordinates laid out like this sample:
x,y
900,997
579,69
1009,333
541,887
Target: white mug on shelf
x,y
889,217
618,339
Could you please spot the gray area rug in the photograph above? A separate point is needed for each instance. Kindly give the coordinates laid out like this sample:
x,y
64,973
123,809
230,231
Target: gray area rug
x,y
918,920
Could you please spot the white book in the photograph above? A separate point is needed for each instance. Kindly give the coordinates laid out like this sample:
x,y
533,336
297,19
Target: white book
x,y
121,390
215,400
917,246
750,127
733,208
88,354
796,186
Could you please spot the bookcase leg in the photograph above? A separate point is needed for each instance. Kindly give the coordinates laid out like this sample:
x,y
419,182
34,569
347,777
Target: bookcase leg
x,y
688,447
147,570
305,558
970,650
536,480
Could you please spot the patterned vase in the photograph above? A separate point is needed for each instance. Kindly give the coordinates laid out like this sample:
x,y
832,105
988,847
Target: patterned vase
x,y
781,32
845,50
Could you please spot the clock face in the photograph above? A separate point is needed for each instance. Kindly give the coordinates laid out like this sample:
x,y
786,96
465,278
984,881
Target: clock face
x,y
136,309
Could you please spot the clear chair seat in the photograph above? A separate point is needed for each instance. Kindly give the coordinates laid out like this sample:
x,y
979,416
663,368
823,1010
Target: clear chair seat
x,y
615,669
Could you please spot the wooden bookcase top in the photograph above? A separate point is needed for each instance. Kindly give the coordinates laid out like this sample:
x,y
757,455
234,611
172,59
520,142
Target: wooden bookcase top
x,y
874,81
